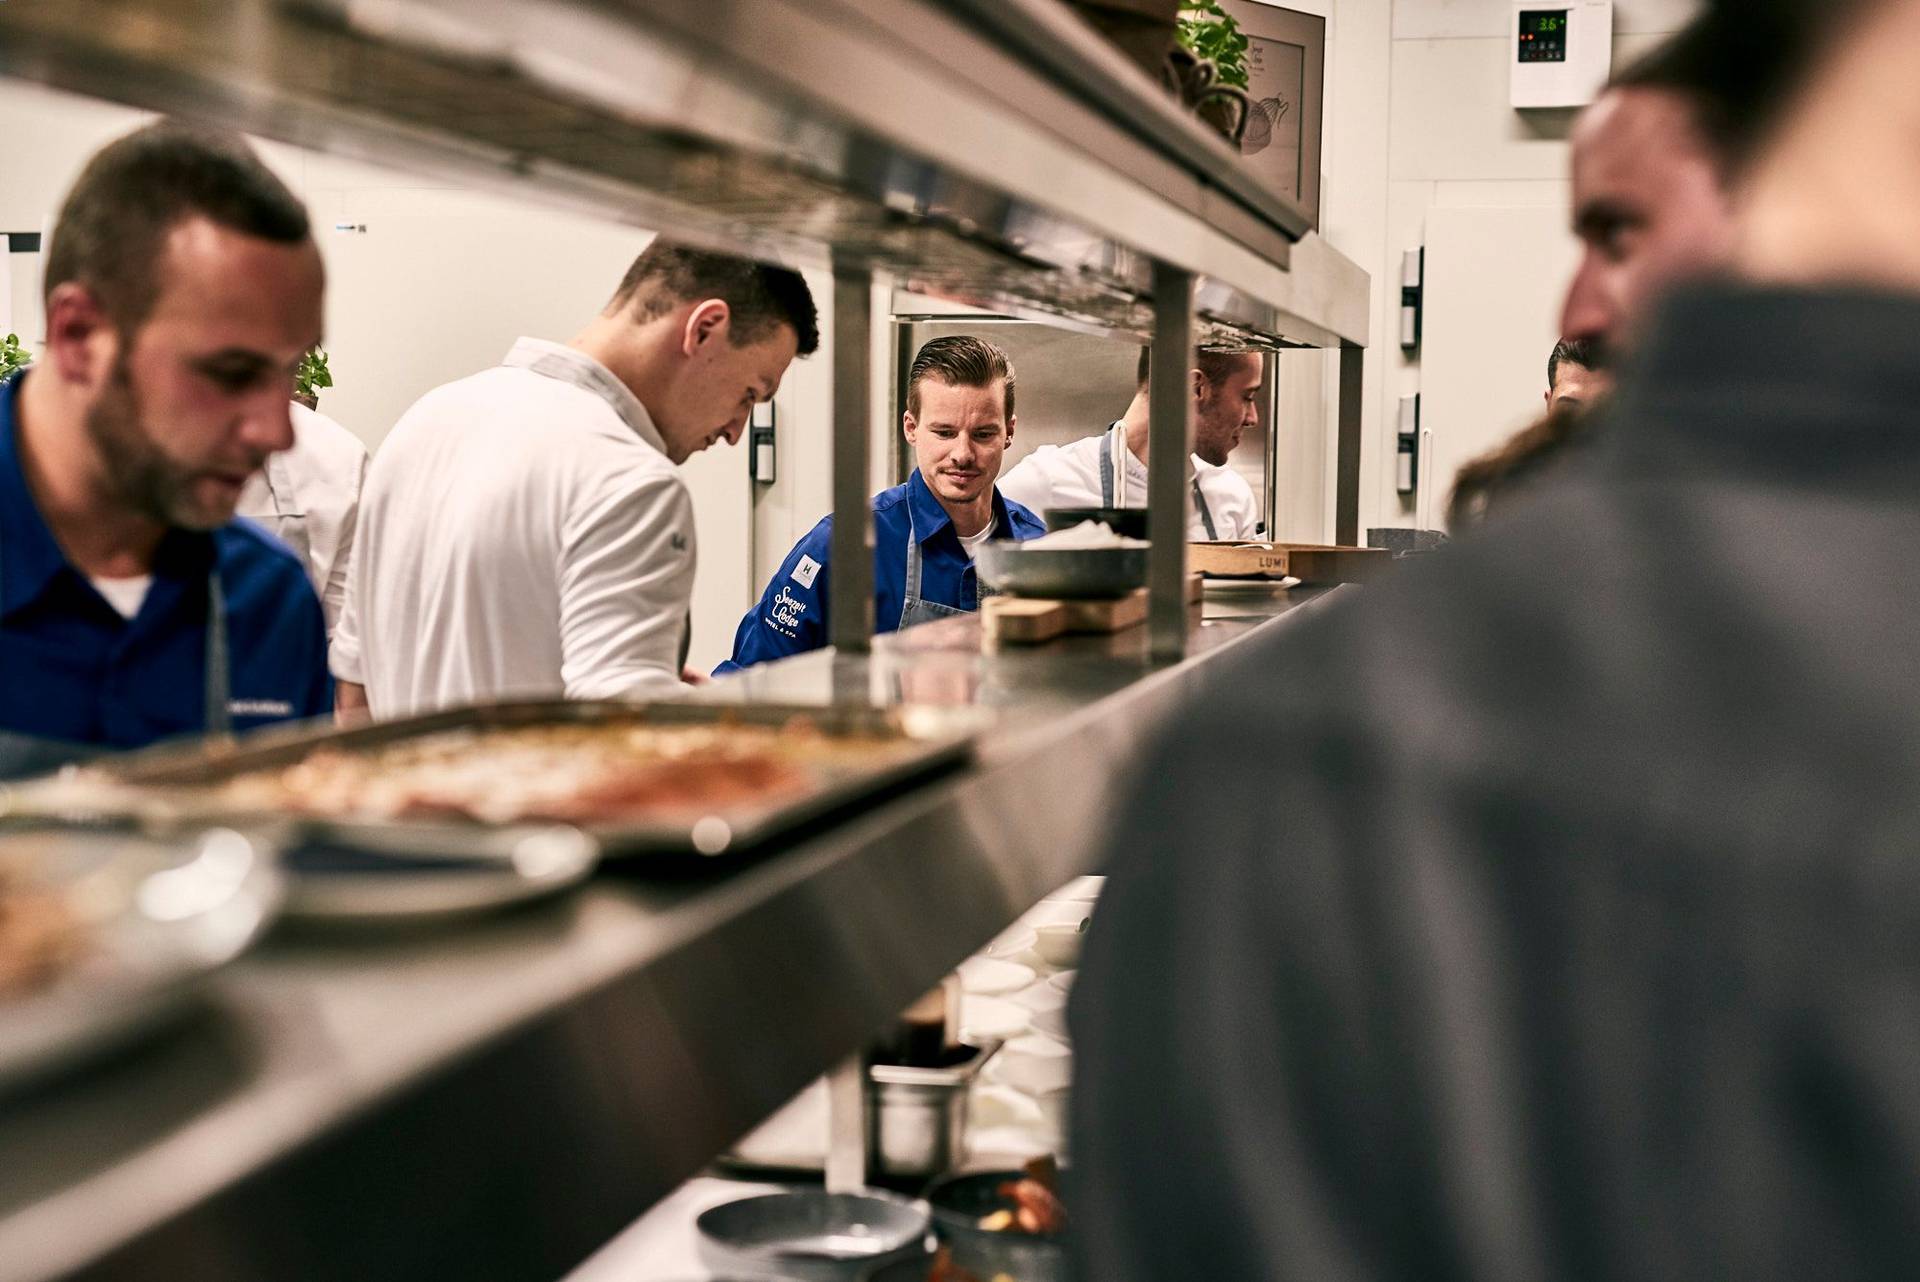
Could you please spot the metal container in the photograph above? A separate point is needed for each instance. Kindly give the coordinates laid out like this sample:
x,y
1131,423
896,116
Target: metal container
x,y
917,1117
1068,574
1128,522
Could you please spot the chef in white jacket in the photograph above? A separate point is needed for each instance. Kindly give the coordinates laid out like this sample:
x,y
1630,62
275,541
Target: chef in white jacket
x,y
310,497
525,532
1110,470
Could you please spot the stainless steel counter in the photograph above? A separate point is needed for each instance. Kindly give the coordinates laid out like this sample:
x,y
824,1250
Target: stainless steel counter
x,y
497,1099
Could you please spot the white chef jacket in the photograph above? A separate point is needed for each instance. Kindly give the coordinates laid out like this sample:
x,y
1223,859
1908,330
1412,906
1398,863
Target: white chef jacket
x,y
522,534
309,496
1056,476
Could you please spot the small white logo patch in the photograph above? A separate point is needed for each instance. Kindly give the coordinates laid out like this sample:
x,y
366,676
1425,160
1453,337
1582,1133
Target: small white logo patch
x,y
259,708
806,572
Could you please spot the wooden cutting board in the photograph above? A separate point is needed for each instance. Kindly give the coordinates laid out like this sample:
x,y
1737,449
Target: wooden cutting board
x,y
1310,563
1030,621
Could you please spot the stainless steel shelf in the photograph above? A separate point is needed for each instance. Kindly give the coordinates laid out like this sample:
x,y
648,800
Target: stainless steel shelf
x,y
499,1099
919,137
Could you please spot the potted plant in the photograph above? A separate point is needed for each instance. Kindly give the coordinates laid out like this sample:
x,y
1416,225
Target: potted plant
x,y
312,375
14,357
1209,70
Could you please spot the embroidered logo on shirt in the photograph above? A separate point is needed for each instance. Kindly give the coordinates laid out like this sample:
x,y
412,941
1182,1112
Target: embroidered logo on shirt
x,y
806,572
259,708
784,614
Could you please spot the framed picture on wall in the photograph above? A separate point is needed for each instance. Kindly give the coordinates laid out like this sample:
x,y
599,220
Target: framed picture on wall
x,y
1286,77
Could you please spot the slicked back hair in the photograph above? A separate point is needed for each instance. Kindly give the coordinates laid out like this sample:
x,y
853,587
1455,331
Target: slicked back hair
x,y
112,230
1215,363
959,360
760,298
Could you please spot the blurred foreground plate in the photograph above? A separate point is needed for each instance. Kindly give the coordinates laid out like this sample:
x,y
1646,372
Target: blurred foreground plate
x,y
104,935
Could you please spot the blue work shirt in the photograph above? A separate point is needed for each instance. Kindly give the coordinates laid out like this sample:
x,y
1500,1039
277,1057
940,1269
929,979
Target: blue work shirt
x,y
73,669
791,616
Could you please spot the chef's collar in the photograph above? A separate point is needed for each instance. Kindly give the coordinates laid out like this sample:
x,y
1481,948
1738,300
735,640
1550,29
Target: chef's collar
x,y
571,365
1799,384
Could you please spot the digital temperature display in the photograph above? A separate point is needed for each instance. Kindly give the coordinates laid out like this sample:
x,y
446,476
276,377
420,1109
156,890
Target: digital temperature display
x,y
1543,35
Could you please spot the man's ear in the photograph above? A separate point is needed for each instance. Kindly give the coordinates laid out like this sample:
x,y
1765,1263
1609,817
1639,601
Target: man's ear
x,y
707,323
907,426
82,342
1200,385
1013,421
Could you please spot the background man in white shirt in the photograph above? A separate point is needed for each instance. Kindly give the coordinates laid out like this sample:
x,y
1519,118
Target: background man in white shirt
x,y
1110,470
310,497
525,531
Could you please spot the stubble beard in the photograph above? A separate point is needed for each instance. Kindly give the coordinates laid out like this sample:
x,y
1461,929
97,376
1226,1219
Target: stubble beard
x,y
140,477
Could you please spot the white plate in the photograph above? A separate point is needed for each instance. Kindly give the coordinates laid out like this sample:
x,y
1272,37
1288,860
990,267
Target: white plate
x,y
1013,941
1058,912
985,1019
991,977
1053,1023
153,919
1080,890
1043,996
386,877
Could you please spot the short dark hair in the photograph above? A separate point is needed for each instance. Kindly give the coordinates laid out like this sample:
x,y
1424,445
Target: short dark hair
x,y
112,229
961,360
1739,64
1572,351
1216,363
760,297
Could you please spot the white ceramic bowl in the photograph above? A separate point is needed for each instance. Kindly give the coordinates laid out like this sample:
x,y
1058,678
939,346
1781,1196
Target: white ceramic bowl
x,y
992,977
1035,1064
988,1019
1043,996
1059,945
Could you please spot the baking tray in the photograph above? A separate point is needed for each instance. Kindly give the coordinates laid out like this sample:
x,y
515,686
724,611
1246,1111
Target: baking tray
x,y
165,786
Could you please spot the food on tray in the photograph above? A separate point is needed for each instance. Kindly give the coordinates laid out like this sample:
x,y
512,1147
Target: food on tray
x,y
1035,1207
945,1270
567,773
39,935
1087,534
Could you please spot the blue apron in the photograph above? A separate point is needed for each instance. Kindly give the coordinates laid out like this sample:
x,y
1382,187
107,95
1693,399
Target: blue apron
x,y
1107,489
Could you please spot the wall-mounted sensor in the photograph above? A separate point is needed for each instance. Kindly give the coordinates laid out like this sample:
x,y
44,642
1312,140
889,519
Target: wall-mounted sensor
x,y
1561,54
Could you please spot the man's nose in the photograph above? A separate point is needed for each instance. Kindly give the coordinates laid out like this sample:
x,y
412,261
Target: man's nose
x,y
734,430
1587,313
268,424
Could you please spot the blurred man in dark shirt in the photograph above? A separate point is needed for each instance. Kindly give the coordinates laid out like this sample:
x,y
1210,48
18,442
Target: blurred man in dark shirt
x,y
1567,923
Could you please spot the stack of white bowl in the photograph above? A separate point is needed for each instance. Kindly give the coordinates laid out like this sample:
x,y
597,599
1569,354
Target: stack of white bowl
x,y
1016,992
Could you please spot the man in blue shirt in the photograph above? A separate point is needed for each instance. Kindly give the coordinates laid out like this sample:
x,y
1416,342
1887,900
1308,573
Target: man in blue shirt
x,y
959,421
182,288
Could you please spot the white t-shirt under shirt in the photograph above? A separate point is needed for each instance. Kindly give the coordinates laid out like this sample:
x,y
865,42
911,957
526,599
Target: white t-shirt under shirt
x,y
126,596
1056,476
971,543
522,534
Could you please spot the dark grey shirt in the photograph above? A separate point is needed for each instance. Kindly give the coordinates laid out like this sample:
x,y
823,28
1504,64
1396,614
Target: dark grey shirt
x,y
1552,911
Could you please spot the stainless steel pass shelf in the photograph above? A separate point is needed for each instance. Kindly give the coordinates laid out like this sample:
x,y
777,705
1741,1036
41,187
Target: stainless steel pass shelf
x,y
928,139
498,1099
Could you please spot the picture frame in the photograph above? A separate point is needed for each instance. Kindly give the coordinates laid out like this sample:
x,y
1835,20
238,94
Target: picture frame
x,y
1286,72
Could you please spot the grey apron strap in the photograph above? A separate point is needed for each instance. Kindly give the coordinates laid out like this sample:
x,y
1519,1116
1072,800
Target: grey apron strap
x,y
219,671
1206,513
912,593
1106,469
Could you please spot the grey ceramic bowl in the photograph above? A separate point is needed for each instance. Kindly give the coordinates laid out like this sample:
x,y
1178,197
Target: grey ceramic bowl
x,y
1064,573
810,1235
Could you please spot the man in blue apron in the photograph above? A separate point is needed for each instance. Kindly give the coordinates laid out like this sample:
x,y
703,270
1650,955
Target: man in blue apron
x,y
1110,470
959,420
182,287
